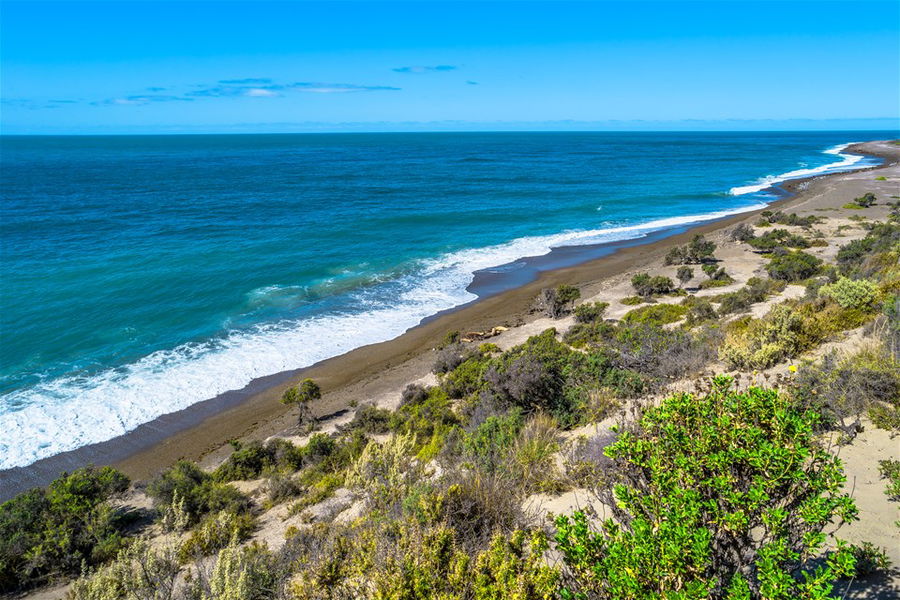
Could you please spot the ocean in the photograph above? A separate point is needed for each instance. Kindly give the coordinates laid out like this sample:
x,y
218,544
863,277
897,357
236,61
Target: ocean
x,y
143,274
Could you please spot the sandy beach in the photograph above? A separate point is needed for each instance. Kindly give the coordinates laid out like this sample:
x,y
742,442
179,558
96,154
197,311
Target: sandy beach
x,y
376,373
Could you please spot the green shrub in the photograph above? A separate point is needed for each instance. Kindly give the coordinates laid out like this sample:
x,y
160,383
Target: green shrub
x,y
370,419
742,233
851,293
646,286
44,533
556,302
890,469
779,237
700,310
656,314
488,445
699,250
684,274
725,495
761,343
590,312
722,281
184,493
793,266
632,300
214,533
756,290
246,462
768,217
865,201
869,559
138,573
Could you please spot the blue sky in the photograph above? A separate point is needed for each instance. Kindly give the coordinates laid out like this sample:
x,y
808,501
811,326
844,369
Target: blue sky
x,y
161,67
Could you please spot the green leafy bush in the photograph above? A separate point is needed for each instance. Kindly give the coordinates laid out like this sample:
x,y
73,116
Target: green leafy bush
x,y
215,532
184,493
851,293
761,343
769,217
793,266
756,290
646,286
656,314
779,237
590,312
865,201
869,559
725,495
56,531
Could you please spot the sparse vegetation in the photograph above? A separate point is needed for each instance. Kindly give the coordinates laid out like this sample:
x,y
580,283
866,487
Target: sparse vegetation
x,y
698,251
727,492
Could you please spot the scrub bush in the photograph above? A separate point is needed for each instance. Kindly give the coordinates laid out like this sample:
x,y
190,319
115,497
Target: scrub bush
x,y
725,495
778,237
184,493
842,390
851,293
646,286
793,266
57,531
684,274
215,532
656,314
890,469
756,290
699,250
556,302
761,343
590,312
742,233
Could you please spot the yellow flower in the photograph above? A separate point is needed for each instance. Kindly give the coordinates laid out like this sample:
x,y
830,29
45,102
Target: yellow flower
x,y
792,368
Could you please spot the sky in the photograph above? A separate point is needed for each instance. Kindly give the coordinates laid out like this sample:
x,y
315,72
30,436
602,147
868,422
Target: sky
x,y
204,67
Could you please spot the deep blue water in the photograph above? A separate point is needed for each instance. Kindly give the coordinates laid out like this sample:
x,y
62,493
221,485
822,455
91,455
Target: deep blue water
x,y
142,274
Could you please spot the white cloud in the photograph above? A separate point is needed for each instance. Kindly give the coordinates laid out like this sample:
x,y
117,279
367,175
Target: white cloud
x,y
260,93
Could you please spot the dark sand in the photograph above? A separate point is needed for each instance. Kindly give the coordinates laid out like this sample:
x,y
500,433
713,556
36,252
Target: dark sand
x,y
202,430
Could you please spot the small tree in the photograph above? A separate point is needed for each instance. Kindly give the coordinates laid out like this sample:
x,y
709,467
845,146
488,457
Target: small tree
x,y
302,395
866,200
684,275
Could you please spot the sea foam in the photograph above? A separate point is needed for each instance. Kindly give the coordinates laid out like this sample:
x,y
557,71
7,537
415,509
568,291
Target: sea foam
x,y
846,163
69,412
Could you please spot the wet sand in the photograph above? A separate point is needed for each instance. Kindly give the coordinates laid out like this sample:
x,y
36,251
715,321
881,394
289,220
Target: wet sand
x,y
201,431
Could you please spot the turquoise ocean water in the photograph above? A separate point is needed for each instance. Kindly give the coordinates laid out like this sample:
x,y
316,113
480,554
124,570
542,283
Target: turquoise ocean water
x,y
142,274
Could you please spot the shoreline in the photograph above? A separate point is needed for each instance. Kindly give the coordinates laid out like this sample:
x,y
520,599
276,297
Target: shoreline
x,y
202,430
